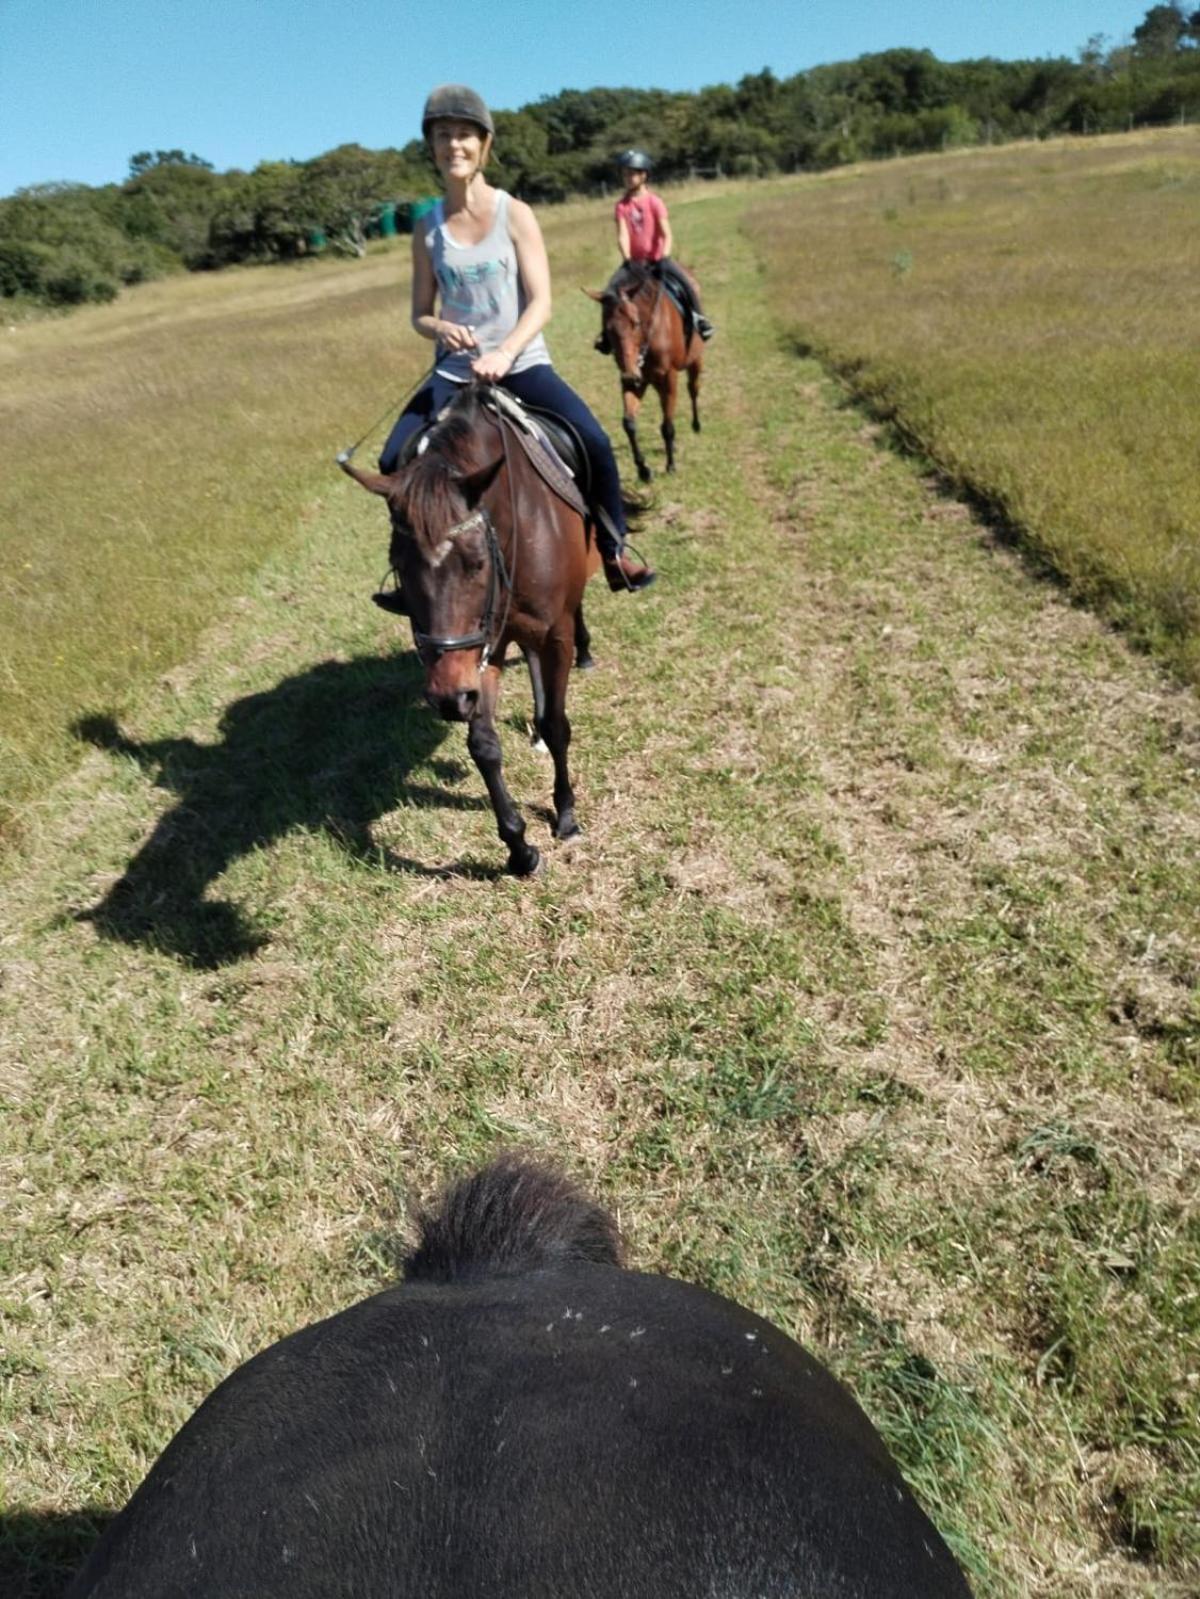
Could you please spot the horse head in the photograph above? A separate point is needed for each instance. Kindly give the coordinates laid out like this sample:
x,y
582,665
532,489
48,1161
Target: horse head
x,y
444,547
626,323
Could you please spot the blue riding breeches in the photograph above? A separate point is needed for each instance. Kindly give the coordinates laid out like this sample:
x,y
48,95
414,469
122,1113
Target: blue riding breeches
x,y
542,387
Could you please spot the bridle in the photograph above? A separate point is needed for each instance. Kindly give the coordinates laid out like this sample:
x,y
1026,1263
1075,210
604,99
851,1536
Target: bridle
x,y
647,325
500,576
499,580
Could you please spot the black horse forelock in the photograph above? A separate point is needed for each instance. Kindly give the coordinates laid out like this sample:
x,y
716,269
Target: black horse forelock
x,y
433,495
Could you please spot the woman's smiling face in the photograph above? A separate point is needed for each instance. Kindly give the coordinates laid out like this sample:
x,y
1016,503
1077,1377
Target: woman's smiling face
x,y
458,147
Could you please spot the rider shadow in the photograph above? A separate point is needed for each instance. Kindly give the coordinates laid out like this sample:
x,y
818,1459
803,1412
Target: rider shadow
x,y
40,1551
329,749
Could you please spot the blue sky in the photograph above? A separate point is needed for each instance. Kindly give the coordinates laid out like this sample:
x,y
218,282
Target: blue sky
x,y
85,83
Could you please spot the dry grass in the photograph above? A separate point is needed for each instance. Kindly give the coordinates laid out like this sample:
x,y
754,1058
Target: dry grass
x,y
871,995
1027,317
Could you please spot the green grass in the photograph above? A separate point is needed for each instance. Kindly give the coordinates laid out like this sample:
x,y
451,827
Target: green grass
x,y
870,997
1025,318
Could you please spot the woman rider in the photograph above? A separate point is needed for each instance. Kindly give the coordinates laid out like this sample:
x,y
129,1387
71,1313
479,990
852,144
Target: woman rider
x,y
481,251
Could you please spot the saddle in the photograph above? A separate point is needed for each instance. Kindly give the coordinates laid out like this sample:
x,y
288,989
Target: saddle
x,y
553,446
674,290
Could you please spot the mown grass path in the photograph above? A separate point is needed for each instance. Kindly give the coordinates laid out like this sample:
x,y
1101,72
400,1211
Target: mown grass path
x,y
868,997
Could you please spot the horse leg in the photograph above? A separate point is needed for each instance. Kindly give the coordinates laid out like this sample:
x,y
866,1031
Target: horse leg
x,y
667,393
537,683
584,660
555,729
484,744
693,373
632,401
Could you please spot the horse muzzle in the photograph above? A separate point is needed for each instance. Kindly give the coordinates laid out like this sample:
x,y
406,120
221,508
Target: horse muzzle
x,y
458,706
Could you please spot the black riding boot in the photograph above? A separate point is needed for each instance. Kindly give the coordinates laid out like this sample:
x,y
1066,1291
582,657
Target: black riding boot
x,y
392,599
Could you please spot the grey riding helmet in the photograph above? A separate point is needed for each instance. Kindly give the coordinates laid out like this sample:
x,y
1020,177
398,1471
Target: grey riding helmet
x,y
455,102
638,160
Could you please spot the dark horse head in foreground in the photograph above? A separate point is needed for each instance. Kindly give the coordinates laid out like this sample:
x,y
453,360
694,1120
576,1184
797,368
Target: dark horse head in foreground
x,y
489,555
523,1418
650,344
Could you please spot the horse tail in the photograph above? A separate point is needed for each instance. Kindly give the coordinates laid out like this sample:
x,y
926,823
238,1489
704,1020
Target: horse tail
x,y
512,1216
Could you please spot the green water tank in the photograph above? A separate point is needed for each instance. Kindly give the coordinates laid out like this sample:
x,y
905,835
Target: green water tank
x,y
385,219
317,240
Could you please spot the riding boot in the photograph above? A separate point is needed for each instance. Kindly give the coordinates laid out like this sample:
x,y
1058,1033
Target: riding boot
x,y
619,571
392,599
622,573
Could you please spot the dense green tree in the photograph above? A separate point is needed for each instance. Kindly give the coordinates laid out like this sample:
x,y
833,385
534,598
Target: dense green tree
x,y
1161,32
64,242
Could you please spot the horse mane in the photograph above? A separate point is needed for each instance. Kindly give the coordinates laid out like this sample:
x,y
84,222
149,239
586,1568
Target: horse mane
x,y
432,496
634,276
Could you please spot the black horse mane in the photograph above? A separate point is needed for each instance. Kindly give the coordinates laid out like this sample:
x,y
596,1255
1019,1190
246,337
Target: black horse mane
x,y
433,497
635,275
514,1216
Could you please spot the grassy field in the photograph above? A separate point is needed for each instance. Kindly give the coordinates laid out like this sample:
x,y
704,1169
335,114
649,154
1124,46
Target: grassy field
x,y
156,451
1027,317
871,995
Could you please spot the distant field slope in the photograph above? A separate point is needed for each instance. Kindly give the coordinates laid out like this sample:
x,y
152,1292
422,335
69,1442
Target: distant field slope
x,y
1029,317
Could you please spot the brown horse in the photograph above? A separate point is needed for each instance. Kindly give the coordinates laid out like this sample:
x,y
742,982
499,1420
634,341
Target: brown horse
x,y
650,344
489,553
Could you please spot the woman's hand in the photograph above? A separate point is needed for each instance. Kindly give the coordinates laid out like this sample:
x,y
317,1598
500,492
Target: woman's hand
x,y
454,336
493,366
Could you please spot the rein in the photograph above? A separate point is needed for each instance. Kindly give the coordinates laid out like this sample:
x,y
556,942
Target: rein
x,y
343,456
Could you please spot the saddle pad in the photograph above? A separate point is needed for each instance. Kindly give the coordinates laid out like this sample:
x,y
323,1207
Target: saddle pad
x,y
523,428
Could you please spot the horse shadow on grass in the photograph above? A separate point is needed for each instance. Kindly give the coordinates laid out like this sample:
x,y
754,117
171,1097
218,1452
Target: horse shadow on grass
x,y
329,750
41,1550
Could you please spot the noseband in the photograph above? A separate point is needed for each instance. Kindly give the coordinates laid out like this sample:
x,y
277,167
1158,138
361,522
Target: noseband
x,y
499,581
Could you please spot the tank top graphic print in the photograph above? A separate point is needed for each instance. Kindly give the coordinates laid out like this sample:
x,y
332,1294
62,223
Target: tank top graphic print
x,y
479,287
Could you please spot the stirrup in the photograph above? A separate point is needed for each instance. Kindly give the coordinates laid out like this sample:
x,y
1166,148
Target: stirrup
x,y
392,599
620,578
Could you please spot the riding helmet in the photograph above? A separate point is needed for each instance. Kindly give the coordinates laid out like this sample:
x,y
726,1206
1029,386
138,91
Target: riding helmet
x,y
455,102
637,159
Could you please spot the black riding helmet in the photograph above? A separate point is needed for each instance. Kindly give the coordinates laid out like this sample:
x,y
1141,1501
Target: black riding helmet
x,y
455,102
638,160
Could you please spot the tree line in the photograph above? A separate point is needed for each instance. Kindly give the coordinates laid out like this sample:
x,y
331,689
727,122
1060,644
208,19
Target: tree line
x,y
62,243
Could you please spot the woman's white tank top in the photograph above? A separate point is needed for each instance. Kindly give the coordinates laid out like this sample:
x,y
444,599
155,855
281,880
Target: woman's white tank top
x,y
480,287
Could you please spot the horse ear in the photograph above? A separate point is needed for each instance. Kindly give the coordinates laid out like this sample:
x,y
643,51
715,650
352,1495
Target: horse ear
x,y
376,482
476,484
594,294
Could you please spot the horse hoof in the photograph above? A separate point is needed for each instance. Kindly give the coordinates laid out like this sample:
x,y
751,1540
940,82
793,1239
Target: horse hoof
x,y
645,474
539,744
566,828
529,864
670,466
695,427
586,663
